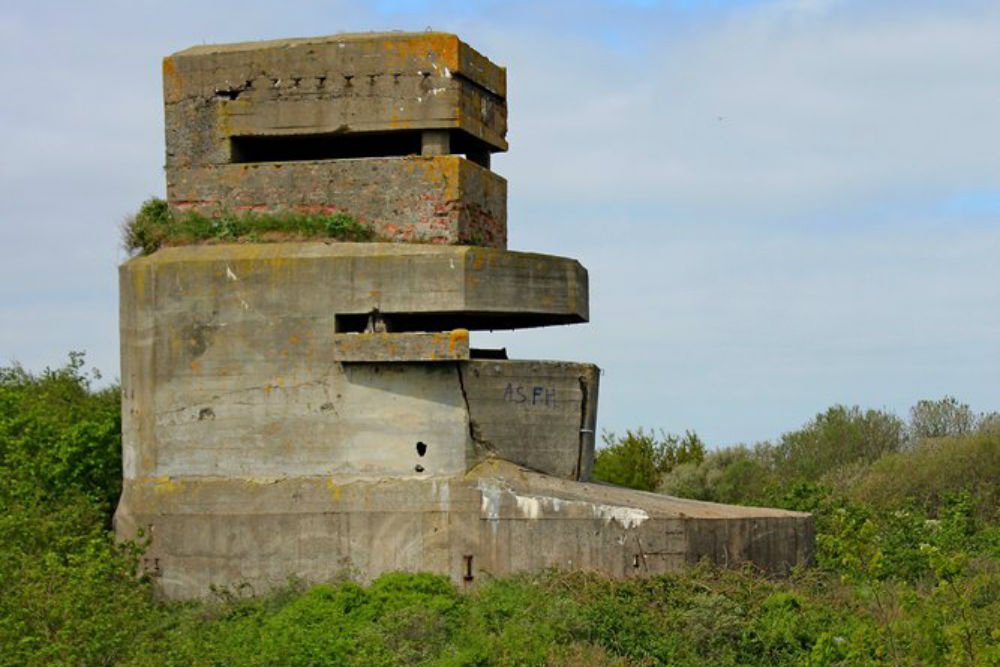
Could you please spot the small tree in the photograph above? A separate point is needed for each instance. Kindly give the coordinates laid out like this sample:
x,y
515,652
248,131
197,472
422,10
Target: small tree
x,y
837,437
940,419
639,459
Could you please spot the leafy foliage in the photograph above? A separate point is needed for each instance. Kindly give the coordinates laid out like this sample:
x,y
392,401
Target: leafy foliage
x,y
157,225
68,594
943,418
908,565
640,458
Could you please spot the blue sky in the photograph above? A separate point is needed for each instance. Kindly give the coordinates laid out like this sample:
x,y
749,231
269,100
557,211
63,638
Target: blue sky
x,y
783,204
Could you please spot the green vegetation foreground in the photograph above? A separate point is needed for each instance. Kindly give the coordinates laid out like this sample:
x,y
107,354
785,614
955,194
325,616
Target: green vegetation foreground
x,y
908,562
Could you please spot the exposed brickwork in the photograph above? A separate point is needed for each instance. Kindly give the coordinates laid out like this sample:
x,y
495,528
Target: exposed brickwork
x,y
441,199
322,92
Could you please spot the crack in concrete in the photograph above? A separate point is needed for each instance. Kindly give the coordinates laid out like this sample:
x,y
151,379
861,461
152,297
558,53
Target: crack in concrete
x,y
583,427
474,434
264,388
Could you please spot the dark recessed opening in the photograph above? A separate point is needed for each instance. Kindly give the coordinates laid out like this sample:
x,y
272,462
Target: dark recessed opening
x,y
333,146
421,448
418,468
347,145
488,353
473,321
468,576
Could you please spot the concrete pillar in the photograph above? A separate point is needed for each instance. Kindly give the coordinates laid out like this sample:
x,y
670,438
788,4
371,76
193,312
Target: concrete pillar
x,y
435,142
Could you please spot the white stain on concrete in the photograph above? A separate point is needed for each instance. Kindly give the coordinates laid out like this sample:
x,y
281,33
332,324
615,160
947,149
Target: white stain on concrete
x,y
230,274
535,507
628,517
442,493
490,506
530,508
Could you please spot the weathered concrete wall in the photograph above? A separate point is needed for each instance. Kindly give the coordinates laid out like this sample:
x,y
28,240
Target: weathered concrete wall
x,y
257,446
335,85
496,519
536,414
368,347
441,199
453,286
232,363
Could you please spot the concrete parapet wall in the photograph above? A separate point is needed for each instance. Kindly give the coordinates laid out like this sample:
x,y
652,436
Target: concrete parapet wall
x,y
440,199
429,287
333,86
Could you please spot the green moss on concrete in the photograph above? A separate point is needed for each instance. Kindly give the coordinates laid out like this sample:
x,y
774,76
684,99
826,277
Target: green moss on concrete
x,y
157,225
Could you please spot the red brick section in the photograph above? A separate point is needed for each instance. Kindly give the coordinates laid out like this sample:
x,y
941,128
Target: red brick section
x,y
442,199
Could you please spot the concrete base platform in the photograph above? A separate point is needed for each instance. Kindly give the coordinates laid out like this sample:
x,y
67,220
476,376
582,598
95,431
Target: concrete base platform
x,y
496,519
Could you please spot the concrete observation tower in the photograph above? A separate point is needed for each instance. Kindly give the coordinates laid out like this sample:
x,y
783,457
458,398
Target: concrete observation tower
x,y
314,408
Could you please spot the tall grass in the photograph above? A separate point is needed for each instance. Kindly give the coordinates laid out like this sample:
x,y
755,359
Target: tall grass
x,y
157,225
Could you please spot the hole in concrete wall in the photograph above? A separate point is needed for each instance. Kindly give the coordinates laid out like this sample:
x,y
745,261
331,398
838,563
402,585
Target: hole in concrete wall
x,y
421,448
343,144
635,561
418,468
468,576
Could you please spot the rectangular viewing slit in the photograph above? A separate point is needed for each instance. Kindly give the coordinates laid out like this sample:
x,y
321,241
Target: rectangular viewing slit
x,y
330,146
350,145
430,322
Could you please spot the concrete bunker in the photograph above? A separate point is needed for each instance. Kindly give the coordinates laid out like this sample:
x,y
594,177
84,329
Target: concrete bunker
x,y
308,409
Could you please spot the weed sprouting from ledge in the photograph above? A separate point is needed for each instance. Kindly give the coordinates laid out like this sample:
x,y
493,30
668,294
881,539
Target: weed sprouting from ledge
x,y
157,225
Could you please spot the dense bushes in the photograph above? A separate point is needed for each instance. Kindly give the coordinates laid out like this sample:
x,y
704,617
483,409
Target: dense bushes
x,y
907,533
640,458
68,594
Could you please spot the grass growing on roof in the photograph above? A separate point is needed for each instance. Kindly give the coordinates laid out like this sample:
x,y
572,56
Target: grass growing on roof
x,y
156,225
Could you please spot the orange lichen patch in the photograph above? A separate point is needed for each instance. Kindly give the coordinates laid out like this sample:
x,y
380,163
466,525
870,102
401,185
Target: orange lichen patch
x,y
406,51
173,84
457,336
478,259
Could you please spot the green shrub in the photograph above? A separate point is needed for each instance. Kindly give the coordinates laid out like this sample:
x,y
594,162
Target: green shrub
x,y
68,593
942,418
935,471
640,458
731,475
58,435
156,225
835,438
